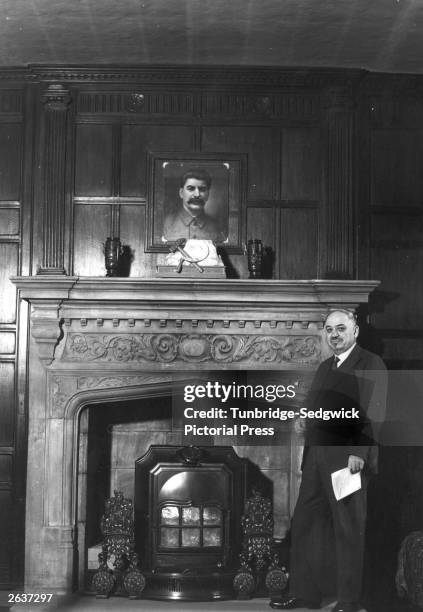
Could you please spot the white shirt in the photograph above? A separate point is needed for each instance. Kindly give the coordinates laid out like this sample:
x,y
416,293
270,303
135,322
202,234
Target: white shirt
x,y
342,356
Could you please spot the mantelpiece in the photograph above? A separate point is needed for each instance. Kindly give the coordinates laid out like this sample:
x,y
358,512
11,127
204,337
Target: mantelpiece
x,y
97,339
65,306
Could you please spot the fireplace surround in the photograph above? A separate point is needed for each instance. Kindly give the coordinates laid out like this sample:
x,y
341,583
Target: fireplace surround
x,y
95,340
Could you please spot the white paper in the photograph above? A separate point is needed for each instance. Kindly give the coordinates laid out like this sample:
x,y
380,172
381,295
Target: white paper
x,y
344,483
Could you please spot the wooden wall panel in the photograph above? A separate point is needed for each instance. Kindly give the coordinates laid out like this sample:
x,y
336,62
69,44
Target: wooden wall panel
x,y
298,243
93,160
6,515
393,225
7,394
397,161
6,470
392,229
132,235
261,224
403,305
260,143
10,161
15,174
92,225
397,260
7,342
399,350
301,163
9,221
9,258
137,140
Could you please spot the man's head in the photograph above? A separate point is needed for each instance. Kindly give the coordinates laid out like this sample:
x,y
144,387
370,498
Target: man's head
x,y
194,191
341,330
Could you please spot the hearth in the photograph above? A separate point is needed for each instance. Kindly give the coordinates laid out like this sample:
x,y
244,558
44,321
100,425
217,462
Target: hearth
x,y
188,507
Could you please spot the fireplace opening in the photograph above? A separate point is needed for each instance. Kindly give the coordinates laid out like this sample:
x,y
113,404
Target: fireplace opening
x,y
112,436
187,514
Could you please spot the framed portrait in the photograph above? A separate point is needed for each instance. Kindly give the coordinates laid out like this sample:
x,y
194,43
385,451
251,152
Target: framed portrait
x,y
198,195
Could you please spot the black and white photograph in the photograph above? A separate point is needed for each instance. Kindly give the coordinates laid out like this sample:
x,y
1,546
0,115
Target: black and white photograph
x,y
211,305
197,197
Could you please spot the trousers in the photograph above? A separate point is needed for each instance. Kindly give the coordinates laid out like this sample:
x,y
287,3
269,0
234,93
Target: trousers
x,y
316,503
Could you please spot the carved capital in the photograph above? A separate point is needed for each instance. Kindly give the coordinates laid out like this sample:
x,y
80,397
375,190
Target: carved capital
x,y
45,329
46,334
56,98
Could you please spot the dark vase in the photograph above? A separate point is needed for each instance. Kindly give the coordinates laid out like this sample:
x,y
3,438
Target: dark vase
x,y
255,258
112,251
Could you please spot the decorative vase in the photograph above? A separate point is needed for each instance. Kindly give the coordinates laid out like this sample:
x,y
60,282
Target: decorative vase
x,y
112,251
255,258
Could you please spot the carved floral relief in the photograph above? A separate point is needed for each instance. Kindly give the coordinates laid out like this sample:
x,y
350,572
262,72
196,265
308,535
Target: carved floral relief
x,y
192,348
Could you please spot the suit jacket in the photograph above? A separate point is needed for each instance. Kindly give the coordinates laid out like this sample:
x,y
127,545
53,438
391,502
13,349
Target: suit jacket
x,y
360,382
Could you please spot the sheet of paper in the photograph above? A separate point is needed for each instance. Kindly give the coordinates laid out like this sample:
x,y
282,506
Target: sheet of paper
x,y
344,483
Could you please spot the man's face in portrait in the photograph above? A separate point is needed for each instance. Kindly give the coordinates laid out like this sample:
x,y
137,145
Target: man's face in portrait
x,y
341,332
194,195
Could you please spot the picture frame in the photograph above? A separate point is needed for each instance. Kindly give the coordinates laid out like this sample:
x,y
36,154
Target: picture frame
x,y
224,206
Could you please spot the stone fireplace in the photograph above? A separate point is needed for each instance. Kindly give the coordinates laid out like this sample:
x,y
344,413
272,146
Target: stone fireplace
x,y
96,341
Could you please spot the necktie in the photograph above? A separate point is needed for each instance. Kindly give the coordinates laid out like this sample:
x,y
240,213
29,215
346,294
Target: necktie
x,y
336,360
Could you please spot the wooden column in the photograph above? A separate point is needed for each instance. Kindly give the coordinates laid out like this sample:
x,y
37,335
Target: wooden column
x,y
339,190
56,101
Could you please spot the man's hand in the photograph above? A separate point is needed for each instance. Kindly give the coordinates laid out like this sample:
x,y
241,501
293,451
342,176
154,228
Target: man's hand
x,y
355,464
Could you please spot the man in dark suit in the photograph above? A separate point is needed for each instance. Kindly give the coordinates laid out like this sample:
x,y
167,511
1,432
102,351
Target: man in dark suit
x,y
354,380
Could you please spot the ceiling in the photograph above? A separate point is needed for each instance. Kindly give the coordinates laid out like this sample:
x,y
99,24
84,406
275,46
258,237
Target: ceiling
x,y
378,35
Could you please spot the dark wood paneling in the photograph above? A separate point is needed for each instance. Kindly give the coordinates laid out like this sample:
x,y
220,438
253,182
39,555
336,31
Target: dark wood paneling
x,y
397,260
298,243
9,221
402,299
137,140
12,194
6,469
391,229
9,258
93,160
261,224
260,143
301,164
397,161
400,349
7,394
10,161
6,522
92,225
132,235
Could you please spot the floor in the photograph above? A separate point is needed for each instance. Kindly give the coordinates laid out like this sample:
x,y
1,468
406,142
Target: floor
x,y
252,605
121,604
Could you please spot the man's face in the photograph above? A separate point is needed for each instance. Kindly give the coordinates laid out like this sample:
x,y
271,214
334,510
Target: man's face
x,y
194,195
341,332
